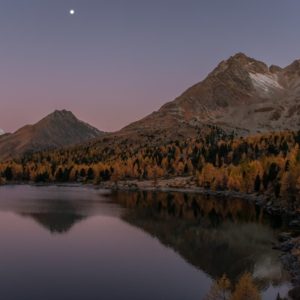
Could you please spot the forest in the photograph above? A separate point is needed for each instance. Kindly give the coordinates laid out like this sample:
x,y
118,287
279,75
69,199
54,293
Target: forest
x,y
264,164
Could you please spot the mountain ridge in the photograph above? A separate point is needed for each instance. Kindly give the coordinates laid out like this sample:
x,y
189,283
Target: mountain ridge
x,y
240,94
58,129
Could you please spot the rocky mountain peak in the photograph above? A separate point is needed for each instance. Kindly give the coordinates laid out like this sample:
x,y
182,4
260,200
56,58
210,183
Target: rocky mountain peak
x,y
243,60
61,114
275,69
293,68
60,128
239,64
241,94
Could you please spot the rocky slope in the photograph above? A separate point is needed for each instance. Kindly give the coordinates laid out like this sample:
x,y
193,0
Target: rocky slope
x,y
241,94
59,129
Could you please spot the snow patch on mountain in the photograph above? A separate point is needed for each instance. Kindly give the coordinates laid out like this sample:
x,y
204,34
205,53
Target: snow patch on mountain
x,y
2,131
265,82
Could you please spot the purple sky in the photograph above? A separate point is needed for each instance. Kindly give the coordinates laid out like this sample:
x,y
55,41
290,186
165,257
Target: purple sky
x,y
116,61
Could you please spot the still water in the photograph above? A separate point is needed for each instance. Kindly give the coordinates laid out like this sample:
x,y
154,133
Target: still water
x,y
75,243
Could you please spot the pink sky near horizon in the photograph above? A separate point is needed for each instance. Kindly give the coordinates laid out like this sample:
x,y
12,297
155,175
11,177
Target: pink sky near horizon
x,y
113,62
107,108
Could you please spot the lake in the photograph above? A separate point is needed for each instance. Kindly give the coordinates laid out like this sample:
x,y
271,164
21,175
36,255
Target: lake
x,y
74,243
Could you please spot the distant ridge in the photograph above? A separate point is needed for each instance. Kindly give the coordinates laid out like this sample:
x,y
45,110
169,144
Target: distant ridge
x,y
59,129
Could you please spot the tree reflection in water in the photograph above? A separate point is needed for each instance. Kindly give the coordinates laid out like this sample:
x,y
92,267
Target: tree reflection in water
x,y
216,235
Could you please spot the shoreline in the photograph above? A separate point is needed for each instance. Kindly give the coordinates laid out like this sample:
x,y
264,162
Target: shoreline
x,y
175,184
148,186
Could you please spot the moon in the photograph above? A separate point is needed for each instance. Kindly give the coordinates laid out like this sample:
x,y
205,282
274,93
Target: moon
x,y
72,11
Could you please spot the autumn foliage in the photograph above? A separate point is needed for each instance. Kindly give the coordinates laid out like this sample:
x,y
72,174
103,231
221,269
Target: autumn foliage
x,y
245,289
264,164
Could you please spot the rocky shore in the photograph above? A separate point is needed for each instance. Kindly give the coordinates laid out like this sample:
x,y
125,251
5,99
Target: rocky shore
x,y
188,185
177,184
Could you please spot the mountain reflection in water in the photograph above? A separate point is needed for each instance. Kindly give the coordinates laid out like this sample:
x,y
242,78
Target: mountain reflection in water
x,y
57,209
216,235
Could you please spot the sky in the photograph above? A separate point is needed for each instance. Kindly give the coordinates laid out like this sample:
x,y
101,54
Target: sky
x,y
115,61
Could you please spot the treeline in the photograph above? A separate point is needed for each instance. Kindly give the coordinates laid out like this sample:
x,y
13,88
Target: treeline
x,y
265,163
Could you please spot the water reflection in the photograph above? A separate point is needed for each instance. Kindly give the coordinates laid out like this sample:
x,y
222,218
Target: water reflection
x,y
100,257
56,222
57,209
216,235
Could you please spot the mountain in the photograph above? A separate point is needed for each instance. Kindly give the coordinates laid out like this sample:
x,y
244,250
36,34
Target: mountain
x,y
2,131
59,129
240,94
